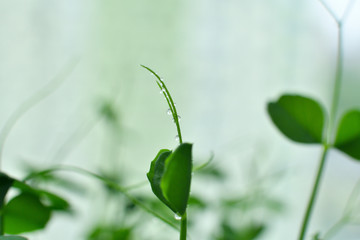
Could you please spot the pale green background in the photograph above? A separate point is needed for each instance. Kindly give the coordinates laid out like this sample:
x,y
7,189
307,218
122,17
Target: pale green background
x,y
221,59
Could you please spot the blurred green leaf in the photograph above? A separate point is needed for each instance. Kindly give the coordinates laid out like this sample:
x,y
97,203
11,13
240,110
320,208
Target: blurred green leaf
x,y
250,202
348,134
250,232
212,171
299,118
110,233
107,110
25,213
54,202
155,174
196,202
12,238
5,183
176,180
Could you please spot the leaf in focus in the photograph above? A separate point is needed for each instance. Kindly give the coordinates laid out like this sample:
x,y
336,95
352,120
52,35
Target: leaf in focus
x,y
299,118
12,238
5,183
348,134
155,174
25,213
176,181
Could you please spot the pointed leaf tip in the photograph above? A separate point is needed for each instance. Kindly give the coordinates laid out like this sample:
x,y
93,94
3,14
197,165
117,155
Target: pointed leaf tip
x,y
170,177
176,180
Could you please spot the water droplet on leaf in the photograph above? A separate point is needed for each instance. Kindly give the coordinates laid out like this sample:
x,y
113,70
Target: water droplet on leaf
x,y
169,112
177,217
177,138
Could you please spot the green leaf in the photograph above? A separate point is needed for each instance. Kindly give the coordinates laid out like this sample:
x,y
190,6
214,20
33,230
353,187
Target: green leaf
x,y
348,134
299,118
155,174
25,213
54,202
5,183
110,233
176,181
12,238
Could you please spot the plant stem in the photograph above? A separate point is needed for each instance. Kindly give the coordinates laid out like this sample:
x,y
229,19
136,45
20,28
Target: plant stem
x,y
333,112
314,193
337,85
183,227
1,220
105,180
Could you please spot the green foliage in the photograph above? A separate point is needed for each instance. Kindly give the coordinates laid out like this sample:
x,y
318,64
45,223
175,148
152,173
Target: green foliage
x,y
31,209
155,174
25,213
110,233
348,134
12,238
5,184
250,232
299,118
170,177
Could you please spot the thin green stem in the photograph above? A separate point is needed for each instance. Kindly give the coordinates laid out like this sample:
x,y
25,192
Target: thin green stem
x,y
108,182
2,220
337,86
183,227
333,112
313,194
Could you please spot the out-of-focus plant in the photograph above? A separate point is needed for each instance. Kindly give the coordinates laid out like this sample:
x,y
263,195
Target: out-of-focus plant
x,y
32,208
304,120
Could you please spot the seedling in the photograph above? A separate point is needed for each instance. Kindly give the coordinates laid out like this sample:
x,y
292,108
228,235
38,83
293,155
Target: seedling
x,y
170,171
304,120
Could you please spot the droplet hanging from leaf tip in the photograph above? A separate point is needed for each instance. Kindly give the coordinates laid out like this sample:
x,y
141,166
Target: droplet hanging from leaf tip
x,y
177,217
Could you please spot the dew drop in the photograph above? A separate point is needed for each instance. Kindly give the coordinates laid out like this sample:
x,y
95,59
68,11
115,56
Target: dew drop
x,y
169,112
179,118
177,138
177,217
162,91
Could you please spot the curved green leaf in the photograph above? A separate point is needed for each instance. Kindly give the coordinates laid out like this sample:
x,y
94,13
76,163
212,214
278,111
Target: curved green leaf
x,y
25,213
176,181
299,118
12,238
348,134
5,183
53,201
156,173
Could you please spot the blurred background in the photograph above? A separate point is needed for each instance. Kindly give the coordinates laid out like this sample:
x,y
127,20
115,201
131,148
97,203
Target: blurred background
x,y
222,61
